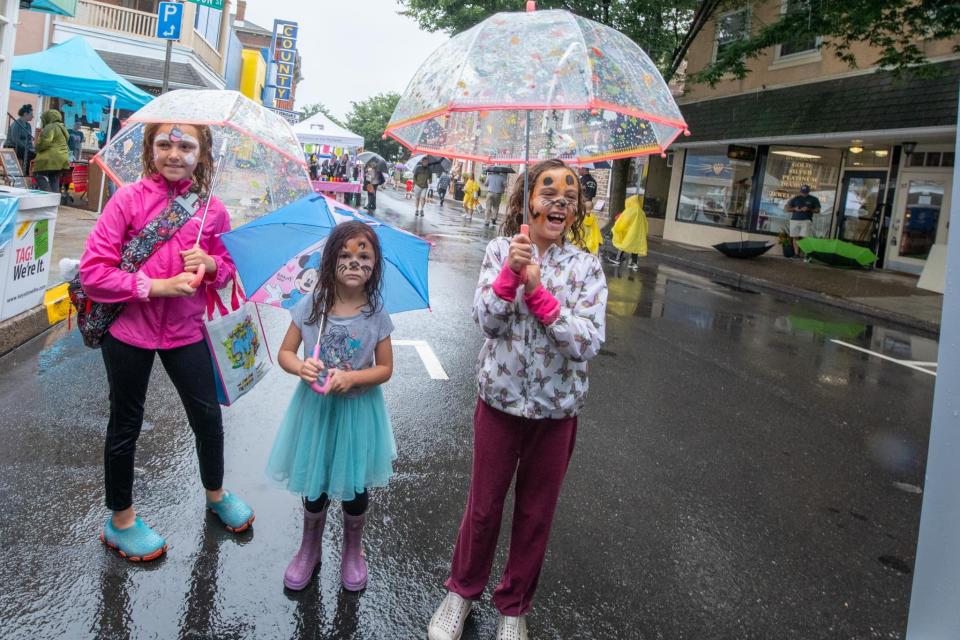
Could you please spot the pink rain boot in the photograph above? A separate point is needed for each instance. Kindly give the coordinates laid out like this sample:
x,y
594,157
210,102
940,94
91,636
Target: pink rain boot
x,y
300,570
353,566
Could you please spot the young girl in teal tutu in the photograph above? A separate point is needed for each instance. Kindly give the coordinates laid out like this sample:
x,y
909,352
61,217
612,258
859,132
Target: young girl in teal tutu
x,y
337,444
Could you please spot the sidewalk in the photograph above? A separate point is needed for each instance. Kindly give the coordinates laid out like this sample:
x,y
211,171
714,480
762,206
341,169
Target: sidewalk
x,y
884,295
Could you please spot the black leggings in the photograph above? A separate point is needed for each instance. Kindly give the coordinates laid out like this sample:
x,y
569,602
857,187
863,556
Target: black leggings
x,y
128,374
355,507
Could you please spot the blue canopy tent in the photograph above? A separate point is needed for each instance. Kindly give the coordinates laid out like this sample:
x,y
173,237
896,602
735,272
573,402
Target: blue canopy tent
x,y
72,70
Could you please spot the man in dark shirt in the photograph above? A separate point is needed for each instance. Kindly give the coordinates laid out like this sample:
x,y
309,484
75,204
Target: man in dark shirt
x,y
588,184
801,209
20,138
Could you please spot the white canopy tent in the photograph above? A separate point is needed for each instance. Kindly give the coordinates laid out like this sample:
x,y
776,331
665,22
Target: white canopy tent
x,y
319,129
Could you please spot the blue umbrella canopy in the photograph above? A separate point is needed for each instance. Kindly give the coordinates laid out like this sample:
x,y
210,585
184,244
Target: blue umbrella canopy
x,y
278,255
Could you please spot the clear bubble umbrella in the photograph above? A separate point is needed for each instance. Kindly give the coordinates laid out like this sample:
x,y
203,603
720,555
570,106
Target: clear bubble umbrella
x,y
263,166
521,87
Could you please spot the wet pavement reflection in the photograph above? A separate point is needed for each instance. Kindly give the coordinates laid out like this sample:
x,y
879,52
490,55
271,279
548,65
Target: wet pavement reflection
x,y
738,473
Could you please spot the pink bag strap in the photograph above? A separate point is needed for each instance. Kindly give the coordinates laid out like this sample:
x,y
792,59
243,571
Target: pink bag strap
x,y
214,302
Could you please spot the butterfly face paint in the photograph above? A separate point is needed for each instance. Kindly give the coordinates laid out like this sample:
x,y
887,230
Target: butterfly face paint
x,y
175,151
355,263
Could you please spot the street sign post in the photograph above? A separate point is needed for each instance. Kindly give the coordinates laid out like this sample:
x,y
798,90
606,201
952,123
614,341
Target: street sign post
x,y
169,24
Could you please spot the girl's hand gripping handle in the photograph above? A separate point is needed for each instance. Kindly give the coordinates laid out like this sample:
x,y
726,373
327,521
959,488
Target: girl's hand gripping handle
x,y
318,386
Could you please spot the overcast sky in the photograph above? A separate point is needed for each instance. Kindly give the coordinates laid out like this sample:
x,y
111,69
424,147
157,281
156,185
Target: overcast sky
x,y
351,49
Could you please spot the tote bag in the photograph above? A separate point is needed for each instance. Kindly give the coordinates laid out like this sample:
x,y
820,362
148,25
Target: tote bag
x,y
237,345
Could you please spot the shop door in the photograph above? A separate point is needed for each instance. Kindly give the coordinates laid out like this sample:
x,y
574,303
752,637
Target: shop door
x,y
860,205
919,219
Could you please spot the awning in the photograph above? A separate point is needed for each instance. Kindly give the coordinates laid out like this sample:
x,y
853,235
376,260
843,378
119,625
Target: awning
x,y
73,71
319,129
877,101
56,7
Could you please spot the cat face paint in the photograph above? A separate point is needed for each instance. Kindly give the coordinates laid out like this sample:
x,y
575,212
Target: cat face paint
x,y
355,263
553,205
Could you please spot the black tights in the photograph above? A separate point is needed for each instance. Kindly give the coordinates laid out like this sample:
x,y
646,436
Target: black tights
x,y
355,507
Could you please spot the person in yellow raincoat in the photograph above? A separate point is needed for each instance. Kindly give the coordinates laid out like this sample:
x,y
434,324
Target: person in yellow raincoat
x,y
471,197
630,232
592,238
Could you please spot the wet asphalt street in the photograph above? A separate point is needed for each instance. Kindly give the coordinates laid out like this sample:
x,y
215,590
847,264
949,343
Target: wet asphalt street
x,y
737,475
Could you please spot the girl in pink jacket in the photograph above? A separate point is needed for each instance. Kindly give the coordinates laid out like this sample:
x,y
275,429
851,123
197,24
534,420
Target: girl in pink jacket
x,y
163,315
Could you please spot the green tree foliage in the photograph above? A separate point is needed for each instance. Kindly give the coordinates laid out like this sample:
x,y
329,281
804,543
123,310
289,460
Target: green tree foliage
x,y
658,26
315,108
895,29
369,118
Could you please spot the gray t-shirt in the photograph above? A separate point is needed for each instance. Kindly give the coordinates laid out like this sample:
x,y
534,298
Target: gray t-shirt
x,y
347,343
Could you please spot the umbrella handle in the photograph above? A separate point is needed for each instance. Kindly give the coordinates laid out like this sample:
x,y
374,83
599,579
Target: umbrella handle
x,y
524,231
201,271
316,386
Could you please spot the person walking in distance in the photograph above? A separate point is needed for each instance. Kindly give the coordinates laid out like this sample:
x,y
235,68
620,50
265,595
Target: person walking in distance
x,y
496,185
443,183
540,303
421,182
337,443
589,185
801,209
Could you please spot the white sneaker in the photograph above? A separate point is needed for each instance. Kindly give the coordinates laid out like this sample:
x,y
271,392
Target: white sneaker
x,y
511,628
447,621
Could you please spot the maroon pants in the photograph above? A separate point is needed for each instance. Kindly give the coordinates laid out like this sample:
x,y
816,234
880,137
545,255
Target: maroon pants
x,y
538,452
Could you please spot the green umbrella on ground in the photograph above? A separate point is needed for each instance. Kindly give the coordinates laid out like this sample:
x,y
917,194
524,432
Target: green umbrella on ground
x,y
826,328
837,253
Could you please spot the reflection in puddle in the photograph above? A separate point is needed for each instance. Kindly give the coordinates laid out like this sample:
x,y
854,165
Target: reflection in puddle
x,y
664,293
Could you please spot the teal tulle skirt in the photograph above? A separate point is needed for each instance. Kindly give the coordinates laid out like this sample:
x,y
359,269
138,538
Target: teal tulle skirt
x,y
333,445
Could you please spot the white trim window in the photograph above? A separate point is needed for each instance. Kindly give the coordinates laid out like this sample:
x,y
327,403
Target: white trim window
x,y
802,47
731,27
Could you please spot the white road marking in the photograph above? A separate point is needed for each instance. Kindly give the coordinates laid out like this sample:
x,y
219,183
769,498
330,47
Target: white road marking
x,y
905,363
430,360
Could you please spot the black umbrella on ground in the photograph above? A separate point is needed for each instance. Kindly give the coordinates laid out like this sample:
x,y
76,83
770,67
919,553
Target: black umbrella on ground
x,y
743,249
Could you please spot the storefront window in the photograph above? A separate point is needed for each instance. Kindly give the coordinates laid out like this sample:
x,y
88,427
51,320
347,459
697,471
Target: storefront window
x,y
716,187
786,169
207,24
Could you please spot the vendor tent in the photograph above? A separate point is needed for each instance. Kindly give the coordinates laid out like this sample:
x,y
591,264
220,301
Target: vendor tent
x,y
319,129
74,71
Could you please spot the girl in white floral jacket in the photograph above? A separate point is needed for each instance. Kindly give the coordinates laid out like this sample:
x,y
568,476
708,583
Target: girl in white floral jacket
x,y
540,303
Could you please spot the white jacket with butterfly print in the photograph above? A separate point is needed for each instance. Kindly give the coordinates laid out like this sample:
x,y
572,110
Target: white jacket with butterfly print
x,y
528,369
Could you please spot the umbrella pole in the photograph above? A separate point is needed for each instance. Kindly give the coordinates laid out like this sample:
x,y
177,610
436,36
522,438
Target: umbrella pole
x,y
526,171
213,186
103,175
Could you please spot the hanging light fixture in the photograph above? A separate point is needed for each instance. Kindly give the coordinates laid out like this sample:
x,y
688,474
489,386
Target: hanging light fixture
x,y
856,147
881,153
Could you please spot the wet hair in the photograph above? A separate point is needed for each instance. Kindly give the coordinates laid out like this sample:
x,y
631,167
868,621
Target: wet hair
x,y
202,175
25,109
511,225
325,294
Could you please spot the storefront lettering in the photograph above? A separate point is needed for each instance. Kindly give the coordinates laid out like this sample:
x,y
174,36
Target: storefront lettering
x,y
798,173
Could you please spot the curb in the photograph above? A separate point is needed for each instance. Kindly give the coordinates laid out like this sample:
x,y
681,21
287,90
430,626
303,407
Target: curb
x,y
932,329
22,328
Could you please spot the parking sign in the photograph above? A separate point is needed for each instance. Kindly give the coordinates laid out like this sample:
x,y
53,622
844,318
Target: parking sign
x,y
169,19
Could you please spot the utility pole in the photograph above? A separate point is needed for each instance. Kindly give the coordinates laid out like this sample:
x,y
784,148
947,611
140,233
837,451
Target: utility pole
x,y
166,68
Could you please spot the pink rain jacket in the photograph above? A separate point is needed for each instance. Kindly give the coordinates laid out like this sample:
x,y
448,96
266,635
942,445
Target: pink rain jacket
x,y
158,323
